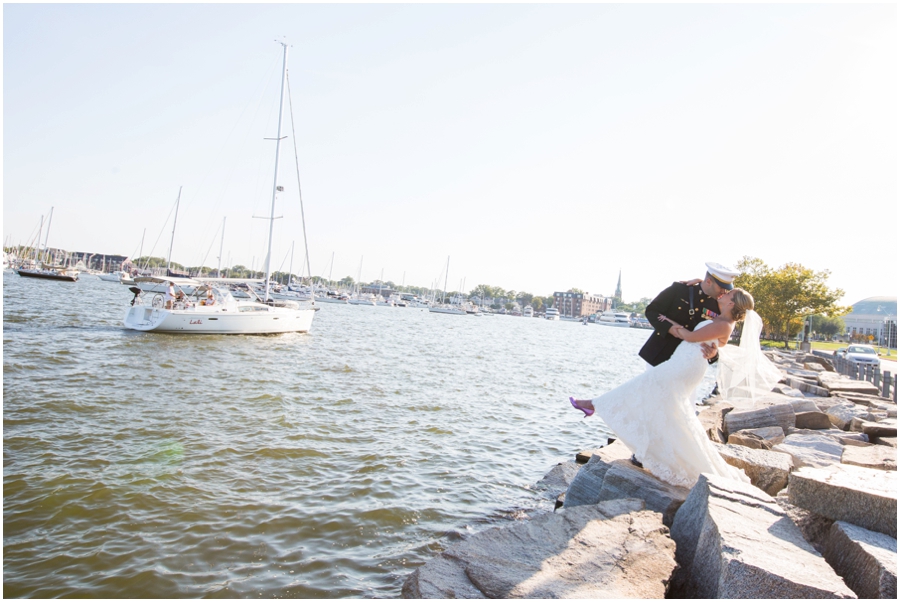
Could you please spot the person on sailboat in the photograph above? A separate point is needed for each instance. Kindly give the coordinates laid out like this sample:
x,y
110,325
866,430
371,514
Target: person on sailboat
x,y
170,295
210,300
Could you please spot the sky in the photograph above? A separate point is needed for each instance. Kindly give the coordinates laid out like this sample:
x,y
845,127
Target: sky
x,y
539,147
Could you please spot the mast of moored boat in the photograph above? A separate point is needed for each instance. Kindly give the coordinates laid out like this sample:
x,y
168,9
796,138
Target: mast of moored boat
x,y
221,246
174,222
275,183
46,248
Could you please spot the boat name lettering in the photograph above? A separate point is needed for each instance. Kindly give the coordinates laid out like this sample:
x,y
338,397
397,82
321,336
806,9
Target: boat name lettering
x,y
196,321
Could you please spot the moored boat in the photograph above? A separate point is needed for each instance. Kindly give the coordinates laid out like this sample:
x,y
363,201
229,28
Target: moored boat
x,y
615,318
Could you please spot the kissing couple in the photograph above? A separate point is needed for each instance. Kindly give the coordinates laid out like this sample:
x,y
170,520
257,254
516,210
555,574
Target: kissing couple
x,y
653,414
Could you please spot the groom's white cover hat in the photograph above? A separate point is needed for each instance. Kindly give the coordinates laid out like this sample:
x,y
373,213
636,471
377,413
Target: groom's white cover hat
x,y
724,276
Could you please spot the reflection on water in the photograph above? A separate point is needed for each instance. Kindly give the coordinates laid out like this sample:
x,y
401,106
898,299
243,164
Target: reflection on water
x,y
319,465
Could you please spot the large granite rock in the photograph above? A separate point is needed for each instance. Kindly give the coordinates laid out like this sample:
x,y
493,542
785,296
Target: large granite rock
x,y
811,449
713,420
558,479
865,559
842,414
815,527
812,420
748,439
861,496
734,541
883,428
879,457
622,479
609,550
614,450
837,384
767,470
781,414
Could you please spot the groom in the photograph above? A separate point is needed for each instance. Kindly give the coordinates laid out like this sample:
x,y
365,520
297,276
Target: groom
x,y
688,305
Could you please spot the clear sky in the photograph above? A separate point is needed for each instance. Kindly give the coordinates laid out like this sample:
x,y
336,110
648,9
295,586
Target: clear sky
x,y
540,147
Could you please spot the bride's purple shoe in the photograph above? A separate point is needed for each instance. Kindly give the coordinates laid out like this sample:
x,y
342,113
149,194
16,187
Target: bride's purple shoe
x,y
586,411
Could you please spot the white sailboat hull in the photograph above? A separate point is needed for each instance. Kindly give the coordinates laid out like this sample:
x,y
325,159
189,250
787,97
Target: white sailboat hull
x,y
260,320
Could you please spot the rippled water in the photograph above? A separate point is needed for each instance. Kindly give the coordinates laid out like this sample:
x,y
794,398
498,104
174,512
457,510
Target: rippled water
x,y
321,465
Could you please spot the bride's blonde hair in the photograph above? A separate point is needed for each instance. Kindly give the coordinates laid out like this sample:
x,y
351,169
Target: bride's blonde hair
x,y
743,301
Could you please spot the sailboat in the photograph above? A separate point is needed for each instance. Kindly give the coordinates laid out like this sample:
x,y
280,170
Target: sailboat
x,y
445,308
47,271
212,309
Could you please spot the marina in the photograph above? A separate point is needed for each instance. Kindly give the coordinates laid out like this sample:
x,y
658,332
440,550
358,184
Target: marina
x,y
327,464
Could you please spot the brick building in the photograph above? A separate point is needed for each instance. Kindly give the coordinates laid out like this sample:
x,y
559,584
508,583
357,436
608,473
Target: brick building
x,y
577,305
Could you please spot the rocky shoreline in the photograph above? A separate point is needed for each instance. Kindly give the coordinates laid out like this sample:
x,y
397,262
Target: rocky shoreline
x,y
819,519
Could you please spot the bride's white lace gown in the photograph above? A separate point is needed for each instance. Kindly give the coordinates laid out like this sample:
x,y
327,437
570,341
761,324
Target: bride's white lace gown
x,y
653,414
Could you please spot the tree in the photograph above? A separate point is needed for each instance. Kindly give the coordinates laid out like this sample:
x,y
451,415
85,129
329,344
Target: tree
x,y
577,291
537,303
346,281
786,296
636,306
828,325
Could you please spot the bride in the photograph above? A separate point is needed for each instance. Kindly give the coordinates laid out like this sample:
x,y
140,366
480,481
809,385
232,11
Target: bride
x,y
653,413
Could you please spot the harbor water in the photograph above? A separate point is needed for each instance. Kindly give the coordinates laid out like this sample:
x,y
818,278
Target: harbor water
x,y
321,465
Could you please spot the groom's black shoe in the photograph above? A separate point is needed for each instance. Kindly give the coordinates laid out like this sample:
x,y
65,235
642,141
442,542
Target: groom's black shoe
x,y
635,461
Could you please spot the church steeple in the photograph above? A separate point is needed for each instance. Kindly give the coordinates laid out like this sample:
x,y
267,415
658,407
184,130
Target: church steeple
x,y
619,286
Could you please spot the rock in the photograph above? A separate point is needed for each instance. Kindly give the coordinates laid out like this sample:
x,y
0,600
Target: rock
x,y
805,386
811,449
585,486
815,359
865,559
773,434
862,496
841,414
768,470
558,479
713,420
889,441
883,428
775,415
748,439
813,420
804,405
625,480
734,541
609,550
814,367
815,527
879,457
840,386
872,401
788,390
614,450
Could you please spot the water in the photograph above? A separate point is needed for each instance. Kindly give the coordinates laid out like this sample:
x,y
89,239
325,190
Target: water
x,y
320,465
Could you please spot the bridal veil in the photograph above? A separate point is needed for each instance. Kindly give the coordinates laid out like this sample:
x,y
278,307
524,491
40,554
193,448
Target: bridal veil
x,y
744,372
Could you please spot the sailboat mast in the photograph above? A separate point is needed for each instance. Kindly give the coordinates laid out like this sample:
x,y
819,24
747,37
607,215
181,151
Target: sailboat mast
x,y
446,273
290,267
141,254
221,247
275,183
174,223
49,222
37,244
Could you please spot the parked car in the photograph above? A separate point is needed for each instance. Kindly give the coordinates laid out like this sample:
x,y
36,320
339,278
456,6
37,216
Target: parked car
x,y
860,354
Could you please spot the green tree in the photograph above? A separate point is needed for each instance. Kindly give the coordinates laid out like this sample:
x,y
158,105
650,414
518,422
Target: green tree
x,y
828,326
577,291
786,296
537,303
346,281
636,306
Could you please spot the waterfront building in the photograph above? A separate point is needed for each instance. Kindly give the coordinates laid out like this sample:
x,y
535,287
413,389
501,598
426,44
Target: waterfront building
x,y
578,305
873,320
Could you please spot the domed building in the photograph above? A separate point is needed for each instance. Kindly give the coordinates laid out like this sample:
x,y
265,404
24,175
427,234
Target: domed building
x,y
875,317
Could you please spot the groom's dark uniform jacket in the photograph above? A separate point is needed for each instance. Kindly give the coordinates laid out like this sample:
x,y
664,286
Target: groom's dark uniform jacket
x,y
676,303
